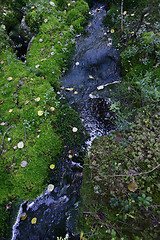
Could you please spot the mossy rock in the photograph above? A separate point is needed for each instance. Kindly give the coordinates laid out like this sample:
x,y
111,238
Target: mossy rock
x,y
33,135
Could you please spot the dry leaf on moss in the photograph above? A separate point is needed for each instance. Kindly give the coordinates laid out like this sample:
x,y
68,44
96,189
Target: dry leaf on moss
x,y
34,220
132,186
20,145
40,113
50,187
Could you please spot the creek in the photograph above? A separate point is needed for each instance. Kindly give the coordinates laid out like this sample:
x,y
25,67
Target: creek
x,y
85,86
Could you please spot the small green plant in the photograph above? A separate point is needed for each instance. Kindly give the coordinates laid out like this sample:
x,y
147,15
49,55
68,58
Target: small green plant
x,y
144,200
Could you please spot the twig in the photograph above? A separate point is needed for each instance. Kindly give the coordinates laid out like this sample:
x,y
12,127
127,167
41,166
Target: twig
x,y
5,134
135,174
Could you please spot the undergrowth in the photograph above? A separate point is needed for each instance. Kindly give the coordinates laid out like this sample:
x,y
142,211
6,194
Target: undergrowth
x,y
120,187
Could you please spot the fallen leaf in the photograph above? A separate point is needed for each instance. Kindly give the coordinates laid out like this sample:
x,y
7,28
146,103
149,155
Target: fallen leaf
x,y
69,89
112,30
124,13
70,156
1,101
81,235
40,113
45,20
43,59
23,216
91,77
50,187
132,186
75,92
37,66
37,99
52,109
131,216
74,129
34,220
9,78
52,166
52,4
24,164
26,102
11,110
20,145
77,63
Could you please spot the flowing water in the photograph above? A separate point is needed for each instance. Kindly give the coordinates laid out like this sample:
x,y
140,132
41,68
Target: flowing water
x,y
93,69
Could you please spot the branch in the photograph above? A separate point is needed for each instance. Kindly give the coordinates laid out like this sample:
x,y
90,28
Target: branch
x,y
5,134
145,11
135,174
122,15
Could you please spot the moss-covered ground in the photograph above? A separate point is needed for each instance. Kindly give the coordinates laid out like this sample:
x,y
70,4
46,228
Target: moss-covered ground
x,y
121,188
36,126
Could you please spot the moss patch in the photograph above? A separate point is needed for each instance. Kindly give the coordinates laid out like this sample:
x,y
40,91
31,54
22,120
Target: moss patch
x,y
33,135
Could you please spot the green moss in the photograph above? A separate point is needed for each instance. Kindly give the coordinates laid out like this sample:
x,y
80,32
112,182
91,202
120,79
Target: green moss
x,y
28,89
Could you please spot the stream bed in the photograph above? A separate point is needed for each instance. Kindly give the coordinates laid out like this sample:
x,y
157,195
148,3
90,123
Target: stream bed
x,y
93,69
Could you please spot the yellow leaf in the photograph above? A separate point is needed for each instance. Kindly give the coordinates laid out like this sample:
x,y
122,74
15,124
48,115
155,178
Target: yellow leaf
x,y
75,92
131,216
52,109
70,156
34,220
9,78
112,30
40,113
23,216
52,166
132,186
37,99
1,101
125,12
43,59
81,235
69,89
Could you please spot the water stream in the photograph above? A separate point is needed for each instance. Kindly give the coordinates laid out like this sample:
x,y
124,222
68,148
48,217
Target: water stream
x,y
95,65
